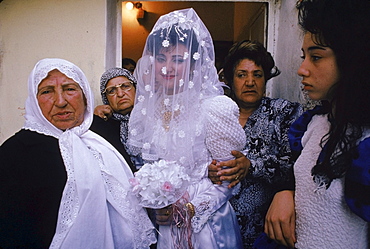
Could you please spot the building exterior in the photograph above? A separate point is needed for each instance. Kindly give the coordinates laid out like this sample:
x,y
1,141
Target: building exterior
x,y
89,34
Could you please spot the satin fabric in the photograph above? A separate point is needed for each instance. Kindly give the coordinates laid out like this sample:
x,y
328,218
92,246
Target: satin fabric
x,y
214,227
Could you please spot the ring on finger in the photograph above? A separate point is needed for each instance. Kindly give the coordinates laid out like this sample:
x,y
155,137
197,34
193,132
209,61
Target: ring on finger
x,y
237,177
168,212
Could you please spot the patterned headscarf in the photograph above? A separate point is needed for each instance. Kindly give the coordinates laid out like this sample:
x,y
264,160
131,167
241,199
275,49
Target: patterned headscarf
x,y
110,74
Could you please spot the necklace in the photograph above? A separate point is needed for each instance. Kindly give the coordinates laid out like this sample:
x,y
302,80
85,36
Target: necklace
x,y
168,113
167,117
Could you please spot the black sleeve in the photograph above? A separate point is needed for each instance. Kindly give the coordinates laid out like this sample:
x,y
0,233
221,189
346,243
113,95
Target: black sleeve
x,y
110,131
32,179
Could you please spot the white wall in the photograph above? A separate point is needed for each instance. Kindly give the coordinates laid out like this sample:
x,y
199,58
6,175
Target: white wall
x,y
36,29
287,53
88,33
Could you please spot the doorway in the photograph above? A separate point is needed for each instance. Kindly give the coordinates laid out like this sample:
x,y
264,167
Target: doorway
x,y
227,22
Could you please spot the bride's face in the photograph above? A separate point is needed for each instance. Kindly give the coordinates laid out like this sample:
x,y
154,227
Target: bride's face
x,y
170,68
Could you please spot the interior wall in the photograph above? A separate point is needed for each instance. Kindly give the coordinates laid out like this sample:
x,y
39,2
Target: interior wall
x,y
245,16
257,29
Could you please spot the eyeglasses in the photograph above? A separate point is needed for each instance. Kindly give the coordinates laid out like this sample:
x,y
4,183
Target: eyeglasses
x,y
124,86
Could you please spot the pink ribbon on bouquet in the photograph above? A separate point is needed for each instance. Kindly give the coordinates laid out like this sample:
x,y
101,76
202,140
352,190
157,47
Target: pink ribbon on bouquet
x,y
181,227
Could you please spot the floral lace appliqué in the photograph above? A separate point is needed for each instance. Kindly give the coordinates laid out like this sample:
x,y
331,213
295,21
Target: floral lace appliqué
x,y
203,212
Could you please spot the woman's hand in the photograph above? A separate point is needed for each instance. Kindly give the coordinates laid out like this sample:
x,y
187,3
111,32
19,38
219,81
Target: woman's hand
x,y
233,170
213,169
163,216
280,219
103,111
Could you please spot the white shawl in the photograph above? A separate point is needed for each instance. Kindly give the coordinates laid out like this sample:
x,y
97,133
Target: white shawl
x,y
97,209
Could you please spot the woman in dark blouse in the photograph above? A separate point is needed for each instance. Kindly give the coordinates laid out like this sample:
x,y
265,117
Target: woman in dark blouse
x,y
266,121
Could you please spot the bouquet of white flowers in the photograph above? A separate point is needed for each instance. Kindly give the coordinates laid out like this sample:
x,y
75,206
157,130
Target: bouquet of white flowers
x,y
159,184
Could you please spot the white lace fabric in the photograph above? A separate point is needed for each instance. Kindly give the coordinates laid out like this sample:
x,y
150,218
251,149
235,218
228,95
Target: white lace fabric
x,y
224,133
97,191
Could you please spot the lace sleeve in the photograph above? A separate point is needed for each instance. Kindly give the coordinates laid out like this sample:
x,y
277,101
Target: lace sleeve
x,y
224,133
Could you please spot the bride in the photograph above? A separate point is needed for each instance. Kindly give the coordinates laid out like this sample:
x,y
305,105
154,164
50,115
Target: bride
x,y
181,115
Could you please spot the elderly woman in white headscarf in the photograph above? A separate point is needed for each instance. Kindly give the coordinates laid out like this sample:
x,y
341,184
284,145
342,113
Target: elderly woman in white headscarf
x,y
61,185
180,122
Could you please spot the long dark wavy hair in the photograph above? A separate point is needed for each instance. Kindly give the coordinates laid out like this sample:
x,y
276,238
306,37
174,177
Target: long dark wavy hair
x,y
343,26
251,50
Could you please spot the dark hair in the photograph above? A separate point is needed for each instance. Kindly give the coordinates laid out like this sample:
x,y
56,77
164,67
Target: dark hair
x,y
342,25
156,38
128,61
252,50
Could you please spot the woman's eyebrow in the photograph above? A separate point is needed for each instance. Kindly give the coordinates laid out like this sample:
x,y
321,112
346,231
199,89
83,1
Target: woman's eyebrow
x,y
315,47
70,83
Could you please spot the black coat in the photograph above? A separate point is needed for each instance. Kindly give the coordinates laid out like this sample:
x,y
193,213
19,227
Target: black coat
x,y
110,130
32,179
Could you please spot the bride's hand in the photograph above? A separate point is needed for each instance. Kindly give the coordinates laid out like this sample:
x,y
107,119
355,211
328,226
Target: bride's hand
x,y
163,216
233,170
212,173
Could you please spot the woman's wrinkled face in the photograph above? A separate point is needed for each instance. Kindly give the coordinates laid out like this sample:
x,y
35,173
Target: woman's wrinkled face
x,y
61,100
248,83
123,101
170,68
319,70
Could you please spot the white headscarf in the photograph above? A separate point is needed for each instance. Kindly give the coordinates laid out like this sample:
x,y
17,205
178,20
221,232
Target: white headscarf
x,y
97,209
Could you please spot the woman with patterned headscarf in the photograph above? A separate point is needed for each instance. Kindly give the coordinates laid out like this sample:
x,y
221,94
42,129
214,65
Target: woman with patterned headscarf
x,y
62,185
117,88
